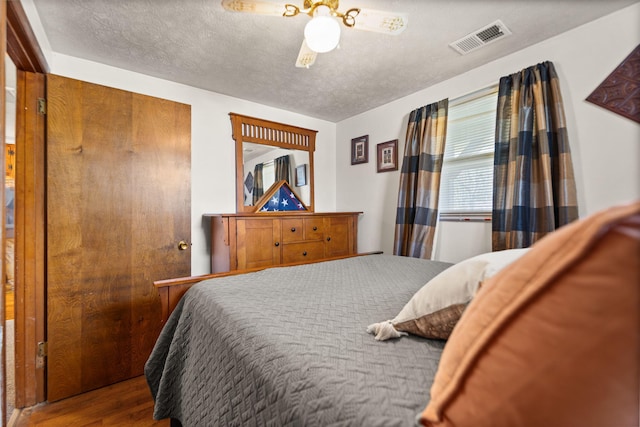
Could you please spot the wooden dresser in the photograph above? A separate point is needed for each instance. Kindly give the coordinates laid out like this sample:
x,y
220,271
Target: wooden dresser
x,y
249,240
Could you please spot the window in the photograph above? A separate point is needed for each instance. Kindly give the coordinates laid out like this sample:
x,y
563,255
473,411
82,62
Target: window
x,y
466,186
268,175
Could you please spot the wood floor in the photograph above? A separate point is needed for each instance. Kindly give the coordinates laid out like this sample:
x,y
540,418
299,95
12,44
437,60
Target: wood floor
x,y
128,403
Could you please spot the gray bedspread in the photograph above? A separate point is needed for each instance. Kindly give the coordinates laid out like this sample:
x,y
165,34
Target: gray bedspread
x,y
288,347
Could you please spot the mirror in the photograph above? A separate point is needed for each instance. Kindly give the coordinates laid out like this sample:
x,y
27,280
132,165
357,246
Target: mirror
x,y
267,152
274,164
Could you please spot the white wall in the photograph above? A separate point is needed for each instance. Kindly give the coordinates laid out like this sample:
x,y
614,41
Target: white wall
x,y
212,149
605,146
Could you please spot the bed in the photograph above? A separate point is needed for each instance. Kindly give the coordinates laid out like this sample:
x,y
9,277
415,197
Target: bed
x,y
288,346
550,337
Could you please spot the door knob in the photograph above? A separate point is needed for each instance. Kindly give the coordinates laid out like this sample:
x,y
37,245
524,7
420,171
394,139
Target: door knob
x,y
183,245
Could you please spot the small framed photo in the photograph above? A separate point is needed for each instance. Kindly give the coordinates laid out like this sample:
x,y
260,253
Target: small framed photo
x,y
388,156
360,150
301,175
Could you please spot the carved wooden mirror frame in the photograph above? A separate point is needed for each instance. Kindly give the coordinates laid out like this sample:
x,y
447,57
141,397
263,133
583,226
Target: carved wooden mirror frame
x,y
258,131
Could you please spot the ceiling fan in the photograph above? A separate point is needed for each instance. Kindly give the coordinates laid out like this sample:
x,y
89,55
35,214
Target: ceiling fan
x,y
322,33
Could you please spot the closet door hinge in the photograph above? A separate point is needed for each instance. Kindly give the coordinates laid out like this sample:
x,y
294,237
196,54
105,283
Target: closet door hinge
x,y
42,106
42,354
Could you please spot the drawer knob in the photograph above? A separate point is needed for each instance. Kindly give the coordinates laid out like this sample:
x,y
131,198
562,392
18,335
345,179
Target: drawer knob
x,y
304,253
277,244
315,228
293,229
329,239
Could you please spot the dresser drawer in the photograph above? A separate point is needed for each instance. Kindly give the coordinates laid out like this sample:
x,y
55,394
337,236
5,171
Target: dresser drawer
x,y
313,228
292,230
307,251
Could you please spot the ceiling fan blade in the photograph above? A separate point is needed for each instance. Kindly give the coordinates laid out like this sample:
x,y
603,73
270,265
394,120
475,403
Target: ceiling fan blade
x,y
381,21
306,57
255,6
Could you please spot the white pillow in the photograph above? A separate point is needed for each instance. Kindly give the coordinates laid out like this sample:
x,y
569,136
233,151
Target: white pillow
x,y
434,310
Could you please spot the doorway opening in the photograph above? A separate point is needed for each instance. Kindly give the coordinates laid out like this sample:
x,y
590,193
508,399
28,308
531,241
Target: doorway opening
x,y
9,230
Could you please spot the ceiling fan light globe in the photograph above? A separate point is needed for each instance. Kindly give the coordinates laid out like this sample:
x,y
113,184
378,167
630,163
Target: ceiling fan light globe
x,y
322,34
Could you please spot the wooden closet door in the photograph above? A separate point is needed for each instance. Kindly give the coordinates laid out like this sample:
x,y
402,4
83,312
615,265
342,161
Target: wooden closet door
x,y
118,204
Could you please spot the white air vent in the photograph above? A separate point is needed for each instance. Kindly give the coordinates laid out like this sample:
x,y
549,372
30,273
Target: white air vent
x,y
481,37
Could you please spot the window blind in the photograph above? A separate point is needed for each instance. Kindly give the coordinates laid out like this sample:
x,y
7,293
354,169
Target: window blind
x,y
466,187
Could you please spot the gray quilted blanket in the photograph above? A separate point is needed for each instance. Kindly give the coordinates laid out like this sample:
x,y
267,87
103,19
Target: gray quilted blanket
x,y
288,347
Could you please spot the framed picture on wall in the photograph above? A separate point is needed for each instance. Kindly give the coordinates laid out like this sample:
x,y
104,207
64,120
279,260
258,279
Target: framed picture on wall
x,y
248,182
388,156
301,175
360,150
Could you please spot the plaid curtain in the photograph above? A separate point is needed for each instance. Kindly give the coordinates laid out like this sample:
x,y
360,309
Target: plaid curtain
x,y
281,166
258,184
417,212
534,189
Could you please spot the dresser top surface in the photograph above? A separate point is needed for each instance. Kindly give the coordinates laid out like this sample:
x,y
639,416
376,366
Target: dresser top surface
x,y
280,214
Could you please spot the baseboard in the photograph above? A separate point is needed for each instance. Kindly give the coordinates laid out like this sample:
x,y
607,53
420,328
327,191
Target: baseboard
x,y
13,420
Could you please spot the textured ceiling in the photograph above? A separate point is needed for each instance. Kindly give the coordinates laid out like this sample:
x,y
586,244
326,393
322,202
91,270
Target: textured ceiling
x,y
197,43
